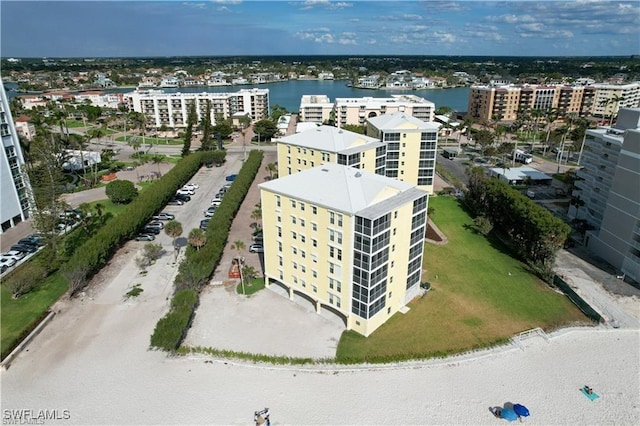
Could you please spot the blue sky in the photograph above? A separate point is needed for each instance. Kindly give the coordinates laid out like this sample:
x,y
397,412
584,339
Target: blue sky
x,y
318,27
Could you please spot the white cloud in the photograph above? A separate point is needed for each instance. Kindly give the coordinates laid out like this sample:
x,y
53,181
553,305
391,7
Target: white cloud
x,y
327,4
444,37
316,37
227,1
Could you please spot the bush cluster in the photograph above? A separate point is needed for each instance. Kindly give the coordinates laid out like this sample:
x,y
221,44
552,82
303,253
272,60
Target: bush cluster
x,y
198,265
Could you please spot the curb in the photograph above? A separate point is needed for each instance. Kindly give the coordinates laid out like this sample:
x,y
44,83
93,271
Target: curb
x,y
6,363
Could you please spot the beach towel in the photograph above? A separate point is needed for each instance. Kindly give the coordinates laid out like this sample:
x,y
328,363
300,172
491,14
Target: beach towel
x,y
592,396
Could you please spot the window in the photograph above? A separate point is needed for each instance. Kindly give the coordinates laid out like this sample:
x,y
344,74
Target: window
x,y
314,210
279,231
314,257
314,226
294,250
302,238
278,199
302,206
303,268
314,273
280,260
314,242
293,220
339,220
332,218
303,254
294,235
303,282
295,265
279,218
280,246
302,222
315,288
395,214
293,204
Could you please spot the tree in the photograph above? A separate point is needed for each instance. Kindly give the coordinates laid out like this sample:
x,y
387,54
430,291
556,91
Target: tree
x,y
223,128
150,253
238,245
271,168
135,143
197,238
192,119
173,228
485,138
76,275
205,126
121,191
277,111
265,129
354,128
25,278
157,159
483,225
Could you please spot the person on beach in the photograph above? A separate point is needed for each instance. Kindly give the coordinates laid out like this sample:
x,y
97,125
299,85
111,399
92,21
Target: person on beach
x,y
588,390
496,411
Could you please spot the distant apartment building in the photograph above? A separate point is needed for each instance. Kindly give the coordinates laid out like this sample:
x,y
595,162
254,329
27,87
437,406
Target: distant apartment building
x,y
315,108
609,186
25,128
15,189
171,109
410,147
349,241
328,144
505,102
355,111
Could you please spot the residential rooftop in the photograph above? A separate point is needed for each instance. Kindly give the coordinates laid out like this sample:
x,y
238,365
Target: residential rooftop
x,y
401,120
345,189
331,139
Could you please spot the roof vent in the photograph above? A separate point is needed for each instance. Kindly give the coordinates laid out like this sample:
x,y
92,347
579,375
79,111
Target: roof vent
x,y
340,131
325,170
358,174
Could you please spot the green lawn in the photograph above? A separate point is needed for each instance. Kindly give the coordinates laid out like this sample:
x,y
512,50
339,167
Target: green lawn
x,y
479,296
74,123
253,286
20,314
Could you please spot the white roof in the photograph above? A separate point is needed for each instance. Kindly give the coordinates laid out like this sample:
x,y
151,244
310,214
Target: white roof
x,y
520,173
345,189
303,126
401,120
330,139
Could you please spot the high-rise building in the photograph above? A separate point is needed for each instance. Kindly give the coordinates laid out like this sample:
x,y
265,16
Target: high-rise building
x,y
609,187
410,146
328,144
15,189
172,109
349,240
315,109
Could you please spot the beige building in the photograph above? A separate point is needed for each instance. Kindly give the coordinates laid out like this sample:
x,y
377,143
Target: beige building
x,y
349,241
410,146
356,111
487,103
315,109
171,109
328,144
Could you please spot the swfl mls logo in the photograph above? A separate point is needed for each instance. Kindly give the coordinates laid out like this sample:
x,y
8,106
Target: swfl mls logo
x,y
27,416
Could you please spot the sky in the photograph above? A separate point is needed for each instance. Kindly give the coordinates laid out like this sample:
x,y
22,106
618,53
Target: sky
x,y
318,27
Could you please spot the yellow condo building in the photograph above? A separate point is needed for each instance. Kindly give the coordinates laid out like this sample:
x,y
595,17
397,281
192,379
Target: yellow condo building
x,y
410,147
328,144
348,240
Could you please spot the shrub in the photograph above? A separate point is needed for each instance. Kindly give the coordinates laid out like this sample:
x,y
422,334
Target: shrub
x,y
121,191
170,329
24,279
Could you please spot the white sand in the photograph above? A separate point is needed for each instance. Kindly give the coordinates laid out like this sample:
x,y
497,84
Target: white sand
x,y
93,360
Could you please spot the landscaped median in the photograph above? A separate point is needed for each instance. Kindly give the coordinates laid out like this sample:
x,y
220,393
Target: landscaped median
x,y
199,265
87,255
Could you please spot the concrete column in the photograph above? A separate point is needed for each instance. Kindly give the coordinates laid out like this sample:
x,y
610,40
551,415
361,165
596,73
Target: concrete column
x,y
267,282
318,307
290,293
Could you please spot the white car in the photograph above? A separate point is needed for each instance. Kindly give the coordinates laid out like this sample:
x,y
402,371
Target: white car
x,y
7,262
216,203
13,254
191,186
185,192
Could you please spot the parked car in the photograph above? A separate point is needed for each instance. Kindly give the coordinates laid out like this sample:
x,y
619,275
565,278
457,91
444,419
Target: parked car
x,y
24,248
231,178
163,216
210,211
191,186
216,203
3,268
175,202
217,197
204,223
7,262
147,230
256,248
155,224
227,185
13,254
145,237
182,197
28,242
185,192
531,194
223,190
257,238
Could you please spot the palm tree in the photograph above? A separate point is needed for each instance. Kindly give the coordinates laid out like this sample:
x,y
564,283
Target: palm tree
x,y
197,238
239,245
271,168
134,142
157,159
248,274
616,101
173,228
550,115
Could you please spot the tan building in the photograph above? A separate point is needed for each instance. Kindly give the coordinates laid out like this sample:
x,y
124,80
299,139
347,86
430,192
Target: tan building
x,y
504,102
355,111
348,240
411,146
315,109
328,144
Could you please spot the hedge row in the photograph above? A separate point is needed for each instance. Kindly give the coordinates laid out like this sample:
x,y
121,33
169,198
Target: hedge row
x,y
199,265
97,251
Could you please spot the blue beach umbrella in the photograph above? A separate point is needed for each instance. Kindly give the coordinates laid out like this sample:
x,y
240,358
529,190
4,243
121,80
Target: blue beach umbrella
x,y
521,410
509,414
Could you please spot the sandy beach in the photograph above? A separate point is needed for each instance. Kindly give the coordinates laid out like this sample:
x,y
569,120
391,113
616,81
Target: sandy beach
x,y
93,362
